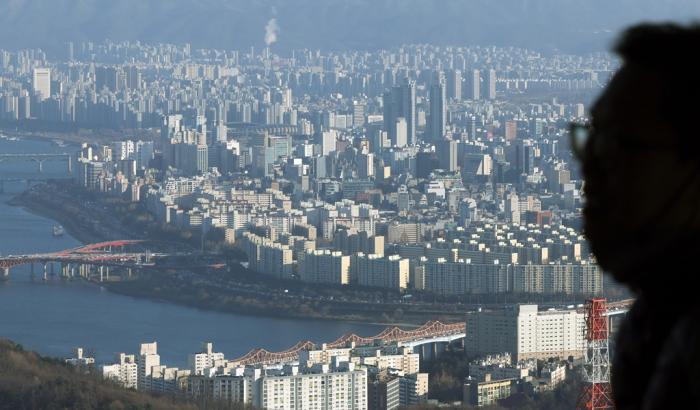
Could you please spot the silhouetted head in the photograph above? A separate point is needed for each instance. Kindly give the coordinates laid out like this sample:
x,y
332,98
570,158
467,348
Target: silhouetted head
x,y
642,161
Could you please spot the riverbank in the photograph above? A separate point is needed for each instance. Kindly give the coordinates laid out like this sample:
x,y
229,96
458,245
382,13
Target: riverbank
x,y
45,212
195,292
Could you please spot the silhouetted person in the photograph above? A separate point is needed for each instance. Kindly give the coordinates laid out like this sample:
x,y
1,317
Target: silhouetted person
x,y
641,164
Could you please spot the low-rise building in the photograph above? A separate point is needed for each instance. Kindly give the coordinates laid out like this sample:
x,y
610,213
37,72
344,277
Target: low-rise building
x,y
482,391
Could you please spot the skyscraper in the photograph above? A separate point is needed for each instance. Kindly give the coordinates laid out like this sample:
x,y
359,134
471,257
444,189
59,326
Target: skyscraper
x,y
448,155
406,104
401,103
473,83
489,85
69,51
358,113
133,77
400,133
511,130
438,109
470,125
453,82
41,82
365,165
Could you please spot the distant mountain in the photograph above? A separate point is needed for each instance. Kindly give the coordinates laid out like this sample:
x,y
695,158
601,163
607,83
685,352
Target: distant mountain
x,y
543,25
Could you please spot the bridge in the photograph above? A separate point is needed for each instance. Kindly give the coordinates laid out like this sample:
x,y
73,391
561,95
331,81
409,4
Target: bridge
x,y
39,158
124,254
424,334
432,332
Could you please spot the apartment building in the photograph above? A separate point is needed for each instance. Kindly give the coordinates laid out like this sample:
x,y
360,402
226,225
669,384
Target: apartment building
x,y
390,272
324,266
268,257
319,387
124,371
526,333
197,362
463,276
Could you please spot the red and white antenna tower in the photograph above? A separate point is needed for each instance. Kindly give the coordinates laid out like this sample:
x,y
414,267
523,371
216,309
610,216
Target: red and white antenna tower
x,y
595,393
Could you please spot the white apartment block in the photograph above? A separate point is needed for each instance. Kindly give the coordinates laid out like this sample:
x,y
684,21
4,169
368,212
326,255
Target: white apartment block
x,y
578,277
167,379
78,359
144,371
464,276
553,374
406,362
320,387
268,257
526,333
140,151
343,389
197,362
124,370
393,356
147,359
143,153
390,272
322,354
324,266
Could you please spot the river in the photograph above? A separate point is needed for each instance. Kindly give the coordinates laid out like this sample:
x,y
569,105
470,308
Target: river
x,y
54,316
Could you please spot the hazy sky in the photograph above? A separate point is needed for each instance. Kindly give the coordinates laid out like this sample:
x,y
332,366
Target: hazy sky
x,y
542,25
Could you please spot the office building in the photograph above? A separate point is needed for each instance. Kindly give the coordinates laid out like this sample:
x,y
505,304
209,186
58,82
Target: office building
x,y
437,124
511,130
365,165
328,140
262,161
41,83
401,103
448,155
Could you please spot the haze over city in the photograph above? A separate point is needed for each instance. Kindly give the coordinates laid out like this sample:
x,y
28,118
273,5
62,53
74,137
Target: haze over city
x,y
305,204
574,26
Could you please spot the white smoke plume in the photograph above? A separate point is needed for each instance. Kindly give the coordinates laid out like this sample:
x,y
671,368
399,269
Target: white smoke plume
x,y
271,30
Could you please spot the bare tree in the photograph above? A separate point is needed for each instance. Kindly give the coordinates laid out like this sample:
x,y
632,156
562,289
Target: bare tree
x,y
92,352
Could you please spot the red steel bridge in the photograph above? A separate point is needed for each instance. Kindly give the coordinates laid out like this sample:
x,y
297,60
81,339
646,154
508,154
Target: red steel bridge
x,y
432,332
427,333
126,254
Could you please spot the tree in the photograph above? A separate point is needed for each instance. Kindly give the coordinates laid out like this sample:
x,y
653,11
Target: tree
x,y
92,352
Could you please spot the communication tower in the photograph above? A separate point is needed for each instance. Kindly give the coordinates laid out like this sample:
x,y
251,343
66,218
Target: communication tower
x,y
595,393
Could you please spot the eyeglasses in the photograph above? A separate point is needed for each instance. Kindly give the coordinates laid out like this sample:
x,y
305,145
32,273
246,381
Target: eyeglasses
x,y
579,134
583,134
